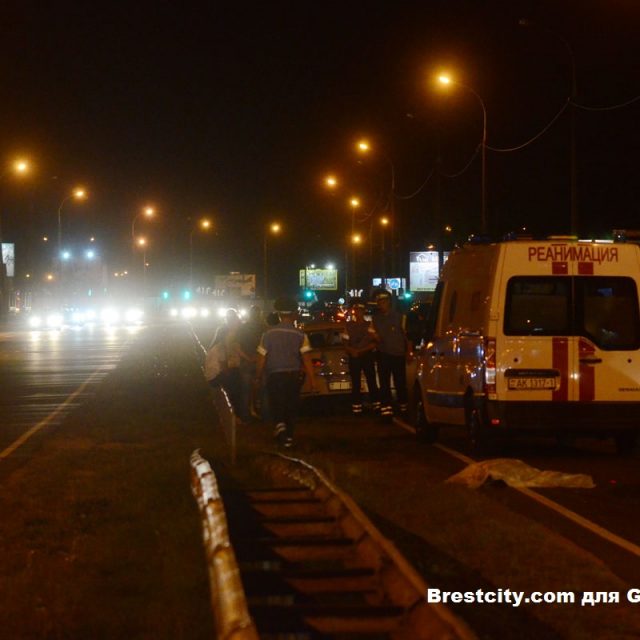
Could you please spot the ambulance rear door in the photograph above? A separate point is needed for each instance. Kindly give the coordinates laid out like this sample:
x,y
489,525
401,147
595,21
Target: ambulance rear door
x,y
571,323
534,345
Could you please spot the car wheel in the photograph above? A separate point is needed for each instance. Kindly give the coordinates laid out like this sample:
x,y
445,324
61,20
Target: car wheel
x,y
626,442
425,430
477,429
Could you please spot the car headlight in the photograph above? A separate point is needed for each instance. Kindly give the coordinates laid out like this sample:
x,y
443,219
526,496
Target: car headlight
x,y
109,316
35,322
133,315
54,320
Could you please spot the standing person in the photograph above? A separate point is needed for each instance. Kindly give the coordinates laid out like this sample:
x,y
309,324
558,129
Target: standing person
x,y
282,354
360,344
393,352
248,338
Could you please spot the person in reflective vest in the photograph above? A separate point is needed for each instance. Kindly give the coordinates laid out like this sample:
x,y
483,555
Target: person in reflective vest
x,y
393,351
360,344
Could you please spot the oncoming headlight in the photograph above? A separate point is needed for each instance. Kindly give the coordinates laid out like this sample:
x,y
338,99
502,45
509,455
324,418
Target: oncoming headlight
x,y
189,312
54,320
133,316
109,316
35,322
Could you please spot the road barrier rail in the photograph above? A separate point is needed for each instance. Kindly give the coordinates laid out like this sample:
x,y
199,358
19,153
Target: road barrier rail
x,y
229,604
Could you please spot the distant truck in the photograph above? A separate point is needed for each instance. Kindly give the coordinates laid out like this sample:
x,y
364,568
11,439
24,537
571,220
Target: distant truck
x,y
538,336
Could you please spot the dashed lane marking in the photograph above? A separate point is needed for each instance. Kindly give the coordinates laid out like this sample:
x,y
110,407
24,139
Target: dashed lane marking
x,y
51,417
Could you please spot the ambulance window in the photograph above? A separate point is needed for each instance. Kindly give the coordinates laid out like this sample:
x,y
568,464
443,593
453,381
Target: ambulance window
x,y
609,312
538,306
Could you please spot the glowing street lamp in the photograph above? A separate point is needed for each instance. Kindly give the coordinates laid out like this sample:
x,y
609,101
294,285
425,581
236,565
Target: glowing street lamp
x,y
77,194
446,80
21,167
331,182
363,146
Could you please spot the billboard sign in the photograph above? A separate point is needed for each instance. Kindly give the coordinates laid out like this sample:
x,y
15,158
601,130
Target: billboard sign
x,y
319,279
9,258
424,270
237,284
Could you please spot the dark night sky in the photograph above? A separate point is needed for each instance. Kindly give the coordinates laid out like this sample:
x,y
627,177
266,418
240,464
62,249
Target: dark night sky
x,y
237,112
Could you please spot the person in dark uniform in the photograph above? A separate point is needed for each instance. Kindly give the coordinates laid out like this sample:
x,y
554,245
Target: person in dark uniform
x,y
283,353
393,349
360,344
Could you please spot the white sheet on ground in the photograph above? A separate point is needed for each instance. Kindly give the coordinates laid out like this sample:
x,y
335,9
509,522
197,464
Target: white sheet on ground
x,y
517,473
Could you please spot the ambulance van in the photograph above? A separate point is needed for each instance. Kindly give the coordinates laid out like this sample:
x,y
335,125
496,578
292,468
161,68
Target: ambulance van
x,y
538,336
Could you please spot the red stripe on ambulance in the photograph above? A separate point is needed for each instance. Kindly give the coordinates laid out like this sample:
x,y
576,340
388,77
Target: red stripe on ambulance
x,y
560,361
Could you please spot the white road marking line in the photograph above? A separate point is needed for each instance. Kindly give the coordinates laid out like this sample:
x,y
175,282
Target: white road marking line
x,y
43,423
585,523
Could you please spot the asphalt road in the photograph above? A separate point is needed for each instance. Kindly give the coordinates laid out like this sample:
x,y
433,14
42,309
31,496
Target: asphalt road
x,y
44,375
611,504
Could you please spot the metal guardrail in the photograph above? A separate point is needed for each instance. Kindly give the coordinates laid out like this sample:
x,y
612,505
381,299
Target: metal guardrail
x,y
232,618
227,419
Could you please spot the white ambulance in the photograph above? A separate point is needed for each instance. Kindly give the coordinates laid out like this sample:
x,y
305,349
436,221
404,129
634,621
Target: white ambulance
x,y
540,336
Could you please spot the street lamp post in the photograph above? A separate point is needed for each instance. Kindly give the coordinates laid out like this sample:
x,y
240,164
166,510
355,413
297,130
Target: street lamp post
x,y
446,80
18,167
524,22
354,203
148,212
77,194
204,224
274,228
384,222
356,239
142,243
363,147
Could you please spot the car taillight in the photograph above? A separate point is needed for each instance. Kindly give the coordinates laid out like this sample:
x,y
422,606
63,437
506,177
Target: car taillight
x,y
317,362
490,366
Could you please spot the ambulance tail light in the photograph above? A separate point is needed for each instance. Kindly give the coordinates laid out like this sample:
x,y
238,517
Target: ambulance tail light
x,y
490,365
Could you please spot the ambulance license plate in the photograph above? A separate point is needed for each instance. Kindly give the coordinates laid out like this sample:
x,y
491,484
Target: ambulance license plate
x,y
532,384
340,386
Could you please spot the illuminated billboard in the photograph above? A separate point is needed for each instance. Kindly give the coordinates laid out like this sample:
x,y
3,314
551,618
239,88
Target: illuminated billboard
x,y
319,279
9,257
236,284
424,270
